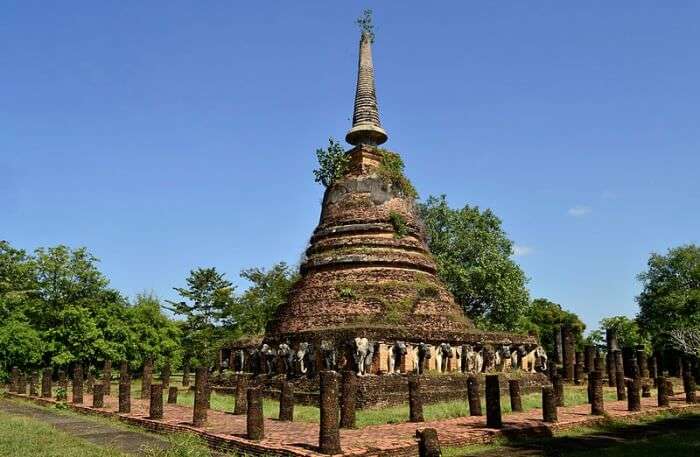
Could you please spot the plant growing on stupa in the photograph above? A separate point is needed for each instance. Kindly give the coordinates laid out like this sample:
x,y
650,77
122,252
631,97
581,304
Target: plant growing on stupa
x,y
391,170
333,163
366,25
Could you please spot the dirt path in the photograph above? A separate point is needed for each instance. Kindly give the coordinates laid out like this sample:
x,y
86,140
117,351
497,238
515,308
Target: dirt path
x,y
100,433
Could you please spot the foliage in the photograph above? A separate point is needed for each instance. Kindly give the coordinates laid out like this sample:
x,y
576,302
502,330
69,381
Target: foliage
x,y
155,335
627,330
686,340
209,297
366,25
473,256
543,317
670,298
399,224
252,310
20,345
391,170
333,163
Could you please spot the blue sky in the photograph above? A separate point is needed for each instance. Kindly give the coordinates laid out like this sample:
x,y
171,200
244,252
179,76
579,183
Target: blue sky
x,y
170,135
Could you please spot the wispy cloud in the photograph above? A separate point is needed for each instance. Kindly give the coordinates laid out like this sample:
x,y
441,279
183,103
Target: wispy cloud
x,y
579,211
521,251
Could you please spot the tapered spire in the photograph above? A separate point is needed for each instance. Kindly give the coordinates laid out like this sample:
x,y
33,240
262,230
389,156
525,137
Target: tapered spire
x,y
366,128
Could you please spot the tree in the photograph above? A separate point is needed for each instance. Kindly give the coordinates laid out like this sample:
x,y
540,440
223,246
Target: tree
x,y
670,298
252,310
20,345
209,297
686,340
155,336
544,317
473,256
626,329
332,163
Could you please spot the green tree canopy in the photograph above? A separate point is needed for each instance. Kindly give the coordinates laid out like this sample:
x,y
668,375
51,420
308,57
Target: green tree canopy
x,y
473,256
209,298
252,310
627,330
544,317
670,298
155,336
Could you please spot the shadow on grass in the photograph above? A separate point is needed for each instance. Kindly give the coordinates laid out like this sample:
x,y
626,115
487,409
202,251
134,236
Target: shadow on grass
x,y
667,436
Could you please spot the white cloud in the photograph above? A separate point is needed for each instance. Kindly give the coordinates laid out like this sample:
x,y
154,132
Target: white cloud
x,y
520,251
579,211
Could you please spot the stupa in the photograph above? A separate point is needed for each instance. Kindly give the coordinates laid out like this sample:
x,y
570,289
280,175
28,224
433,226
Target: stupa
x,y
368,271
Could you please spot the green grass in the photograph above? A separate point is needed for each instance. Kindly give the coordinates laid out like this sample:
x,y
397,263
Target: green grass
x,y
20,436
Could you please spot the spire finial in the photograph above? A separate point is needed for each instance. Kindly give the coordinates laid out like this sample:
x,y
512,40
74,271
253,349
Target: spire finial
x,y
366,128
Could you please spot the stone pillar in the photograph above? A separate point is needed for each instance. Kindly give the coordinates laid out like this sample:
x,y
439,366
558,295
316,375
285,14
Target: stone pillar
x,y
516,402
199,415
642,362
89,381
589,358
558,346
22,383
415,400
98,396
14,379
428,443
634,400
329,433
78,384
689,385
348,399
558,385
186,374
620,385
599,365
255,423
669,388
568,343
146,378
662,391
155,410
596,389
653,369
62,393
493,402
165,376
619,363
578,374
549,404
107,377
286,401
610,365
33,381
172,395
46,382
241,406
124,391
474,396
611,340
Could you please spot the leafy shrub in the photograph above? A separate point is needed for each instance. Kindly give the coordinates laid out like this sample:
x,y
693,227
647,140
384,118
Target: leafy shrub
x,y
332,163
391,170
399,224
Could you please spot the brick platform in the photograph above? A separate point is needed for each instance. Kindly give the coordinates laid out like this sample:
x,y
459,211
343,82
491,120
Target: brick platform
x,y
226,431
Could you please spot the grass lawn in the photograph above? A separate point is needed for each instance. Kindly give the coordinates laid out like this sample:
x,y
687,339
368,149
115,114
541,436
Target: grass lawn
x,y
663,435
20,436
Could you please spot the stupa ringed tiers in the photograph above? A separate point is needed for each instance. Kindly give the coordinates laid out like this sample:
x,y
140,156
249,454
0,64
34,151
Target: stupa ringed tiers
x,y
368,271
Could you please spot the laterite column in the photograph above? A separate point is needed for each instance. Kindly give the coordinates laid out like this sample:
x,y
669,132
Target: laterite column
x,y
689,384
589,358
415,401
634,400
241,406
558,384
98,395
78,384
610,363
62,393
186,375
46,382
596,389
662,391
255,423
125,393
653,369
493,402
286,401
172,395
107,377
199,414
474,396
329,433
516,401
33,381
155,410
428,443
146,378
549,404
568,343
348,399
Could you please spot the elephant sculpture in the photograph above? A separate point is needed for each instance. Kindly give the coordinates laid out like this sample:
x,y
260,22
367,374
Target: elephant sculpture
x,y
268,357
305,360
423,355
286,355
329,355
501,357
362,351
396,355
444,354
